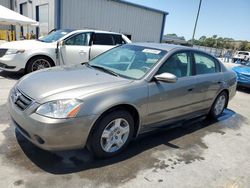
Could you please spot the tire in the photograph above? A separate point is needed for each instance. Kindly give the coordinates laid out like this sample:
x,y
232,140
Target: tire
x,y
105,135
38,63
219,105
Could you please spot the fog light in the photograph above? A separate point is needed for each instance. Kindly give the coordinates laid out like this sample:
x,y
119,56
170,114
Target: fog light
x,y
39,139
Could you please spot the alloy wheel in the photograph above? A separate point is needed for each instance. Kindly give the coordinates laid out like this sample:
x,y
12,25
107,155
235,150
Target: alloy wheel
x,y
115,135
40,64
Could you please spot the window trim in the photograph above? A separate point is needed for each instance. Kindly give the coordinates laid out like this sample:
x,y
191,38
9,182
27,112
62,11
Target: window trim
x,y
216,62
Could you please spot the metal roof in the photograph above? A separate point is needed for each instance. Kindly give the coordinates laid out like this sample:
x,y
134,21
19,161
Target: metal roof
x,y
141,6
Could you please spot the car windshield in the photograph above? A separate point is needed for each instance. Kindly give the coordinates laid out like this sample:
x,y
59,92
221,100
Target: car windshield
x,y
129,61
55,35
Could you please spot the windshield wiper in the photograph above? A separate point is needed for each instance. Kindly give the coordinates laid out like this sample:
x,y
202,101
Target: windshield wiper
x,y
103,69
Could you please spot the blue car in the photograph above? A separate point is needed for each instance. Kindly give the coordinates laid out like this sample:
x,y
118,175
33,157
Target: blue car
x,y
243,74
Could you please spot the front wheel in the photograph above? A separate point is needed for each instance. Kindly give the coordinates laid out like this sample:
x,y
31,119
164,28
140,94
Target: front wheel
x,y
112,134
219,105
38,63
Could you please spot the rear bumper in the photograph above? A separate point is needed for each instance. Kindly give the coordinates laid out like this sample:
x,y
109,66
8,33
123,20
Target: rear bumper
x,y
51,134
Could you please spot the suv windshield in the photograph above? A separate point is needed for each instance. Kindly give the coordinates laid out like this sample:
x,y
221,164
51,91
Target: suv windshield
x,y
55,35
129,61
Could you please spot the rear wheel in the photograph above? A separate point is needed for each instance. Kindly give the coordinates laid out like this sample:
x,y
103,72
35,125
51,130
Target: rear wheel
x,y
219,105
112,134
38,63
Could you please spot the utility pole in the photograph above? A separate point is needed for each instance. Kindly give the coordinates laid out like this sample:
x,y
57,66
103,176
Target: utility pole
x,y
197,17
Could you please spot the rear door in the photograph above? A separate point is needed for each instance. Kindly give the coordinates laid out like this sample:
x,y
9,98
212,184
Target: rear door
x,y
75,49
209,77
102,42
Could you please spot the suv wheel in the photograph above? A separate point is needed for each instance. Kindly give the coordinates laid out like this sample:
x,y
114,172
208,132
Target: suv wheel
x,y
38,63
112,134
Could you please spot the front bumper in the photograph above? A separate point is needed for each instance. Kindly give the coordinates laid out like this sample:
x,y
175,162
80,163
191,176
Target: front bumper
x,y
49,133
243,80
13,63
244,84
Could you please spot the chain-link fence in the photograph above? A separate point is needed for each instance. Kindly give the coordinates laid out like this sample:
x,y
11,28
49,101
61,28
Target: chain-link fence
x,y
217,52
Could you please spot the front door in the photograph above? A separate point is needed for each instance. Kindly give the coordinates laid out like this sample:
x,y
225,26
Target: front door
x,y
169,101
75,50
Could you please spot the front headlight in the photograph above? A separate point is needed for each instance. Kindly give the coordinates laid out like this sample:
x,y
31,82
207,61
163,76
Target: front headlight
x,y
14,51
67,108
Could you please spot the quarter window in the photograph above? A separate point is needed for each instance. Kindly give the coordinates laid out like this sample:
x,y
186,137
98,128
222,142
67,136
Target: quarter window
x,y
118,39
178,64
79,40
205,64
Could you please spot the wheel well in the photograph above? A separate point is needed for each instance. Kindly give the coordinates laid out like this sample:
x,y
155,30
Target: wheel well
x,y
129,108
40,56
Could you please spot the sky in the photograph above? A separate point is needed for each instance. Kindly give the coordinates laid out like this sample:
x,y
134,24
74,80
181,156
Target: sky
x,y
225,18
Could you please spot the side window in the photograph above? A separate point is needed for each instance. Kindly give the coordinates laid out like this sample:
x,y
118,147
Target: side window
x,y
103,39
79,40
178,64
205,64
118,39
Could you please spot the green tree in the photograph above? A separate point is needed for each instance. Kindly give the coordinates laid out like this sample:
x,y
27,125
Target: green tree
x,y
171,35
243,46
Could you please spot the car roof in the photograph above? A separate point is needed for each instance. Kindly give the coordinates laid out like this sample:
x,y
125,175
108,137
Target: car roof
x,y
90,30
161,46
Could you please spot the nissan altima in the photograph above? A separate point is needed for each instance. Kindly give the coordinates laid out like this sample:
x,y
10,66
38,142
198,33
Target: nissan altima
x,y
120,94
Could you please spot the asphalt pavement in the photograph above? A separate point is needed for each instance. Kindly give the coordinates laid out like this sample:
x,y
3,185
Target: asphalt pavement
x,y
204,153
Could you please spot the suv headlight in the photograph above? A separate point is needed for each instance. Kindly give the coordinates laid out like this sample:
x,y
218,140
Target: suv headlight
x,y
14,51
60,109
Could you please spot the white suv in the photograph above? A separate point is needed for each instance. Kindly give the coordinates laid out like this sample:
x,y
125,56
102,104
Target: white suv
x,y
242,56
61,47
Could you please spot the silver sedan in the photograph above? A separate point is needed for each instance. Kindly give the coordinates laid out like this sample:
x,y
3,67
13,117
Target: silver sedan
x,y
127,91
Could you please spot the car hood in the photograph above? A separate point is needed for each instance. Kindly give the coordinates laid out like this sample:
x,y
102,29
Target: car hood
x,y
71,82
25,44
242,69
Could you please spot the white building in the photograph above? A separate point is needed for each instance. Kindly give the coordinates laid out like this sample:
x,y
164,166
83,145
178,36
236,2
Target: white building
x,y
141,24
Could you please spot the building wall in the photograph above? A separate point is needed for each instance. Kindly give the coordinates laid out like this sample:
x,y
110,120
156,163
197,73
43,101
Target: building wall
x,y
142,24
5,3
31,13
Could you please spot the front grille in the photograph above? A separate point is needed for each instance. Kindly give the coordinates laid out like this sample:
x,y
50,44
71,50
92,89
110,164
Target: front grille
x,y
21,100
2,52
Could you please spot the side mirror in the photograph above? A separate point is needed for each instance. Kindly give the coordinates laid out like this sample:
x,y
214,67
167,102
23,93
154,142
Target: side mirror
x,y
166,77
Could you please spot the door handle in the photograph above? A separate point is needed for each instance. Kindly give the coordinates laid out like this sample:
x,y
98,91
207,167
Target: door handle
x,y
82,52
